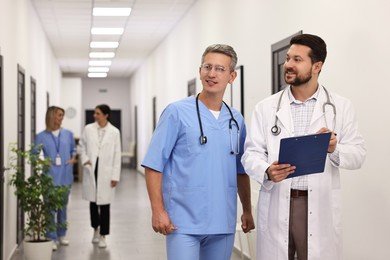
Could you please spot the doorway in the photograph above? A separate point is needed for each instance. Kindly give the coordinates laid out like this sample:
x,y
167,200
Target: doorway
x,y
21,142
136,136
1,159
115,118
33,102
279,52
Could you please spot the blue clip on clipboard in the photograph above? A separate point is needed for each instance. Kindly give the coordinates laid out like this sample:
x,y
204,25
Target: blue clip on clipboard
x,y
308,153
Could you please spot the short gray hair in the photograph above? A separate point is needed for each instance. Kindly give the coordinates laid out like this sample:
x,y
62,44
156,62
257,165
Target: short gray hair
x,y
223,49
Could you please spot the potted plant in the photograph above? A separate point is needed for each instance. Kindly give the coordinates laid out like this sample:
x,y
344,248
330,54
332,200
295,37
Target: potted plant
x,y
38,198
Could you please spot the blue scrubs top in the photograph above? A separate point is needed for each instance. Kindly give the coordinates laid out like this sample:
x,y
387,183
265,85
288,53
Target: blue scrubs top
x,y
64,145
199,182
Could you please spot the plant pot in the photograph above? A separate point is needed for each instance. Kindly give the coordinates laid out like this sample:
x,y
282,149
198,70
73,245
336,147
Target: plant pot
x,y
38,250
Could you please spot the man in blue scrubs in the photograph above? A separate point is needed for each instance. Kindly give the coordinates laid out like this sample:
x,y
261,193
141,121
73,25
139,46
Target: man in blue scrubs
x,y
193,169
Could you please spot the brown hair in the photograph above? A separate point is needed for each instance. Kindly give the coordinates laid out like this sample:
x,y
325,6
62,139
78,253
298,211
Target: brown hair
x,y
50,114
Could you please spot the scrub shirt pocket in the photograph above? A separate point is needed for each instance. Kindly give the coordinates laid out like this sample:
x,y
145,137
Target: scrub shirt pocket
x,y
189,207
232,206
193,141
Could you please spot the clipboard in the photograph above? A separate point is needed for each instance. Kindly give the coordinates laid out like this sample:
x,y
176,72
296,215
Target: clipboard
x,y
308,153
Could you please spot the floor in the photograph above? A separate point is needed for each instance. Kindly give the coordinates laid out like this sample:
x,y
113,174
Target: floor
x,y
131,235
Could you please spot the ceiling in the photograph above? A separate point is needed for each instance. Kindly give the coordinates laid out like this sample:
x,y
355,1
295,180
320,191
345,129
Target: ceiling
x,y
68,23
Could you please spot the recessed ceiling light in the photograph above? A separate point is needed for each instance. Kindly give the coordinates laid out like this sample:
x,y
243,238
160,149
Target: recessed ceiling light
x,y
107,31
97,75
104,44
101,54
99,63
98,11
98,69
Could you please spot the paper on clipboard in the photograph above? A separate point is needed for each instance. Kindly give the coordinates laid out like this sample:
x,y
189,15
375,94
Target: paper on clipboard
x,y
308,153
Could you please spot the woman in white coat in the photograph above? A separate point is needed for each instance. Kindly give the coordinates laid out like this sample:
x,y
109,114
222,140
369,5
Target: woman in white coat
x,y
100,150
319,235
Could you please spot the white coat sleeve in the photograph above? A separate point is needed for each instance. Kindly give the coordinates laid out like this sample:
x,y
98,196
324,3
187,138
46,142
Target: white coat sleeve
x,y
117,160
352,151
83,147
255,157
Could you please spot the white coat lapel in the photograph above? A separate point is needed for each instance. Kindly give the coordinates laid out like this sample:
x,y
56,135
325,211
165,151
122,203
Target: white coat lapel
x,y
317,120
106,133
284,114
94,134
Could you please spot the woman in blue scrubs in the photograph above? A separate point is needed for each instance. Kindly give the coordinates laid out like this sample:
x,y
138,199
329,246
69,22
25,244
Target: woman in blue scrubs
x,y
193,169
58,144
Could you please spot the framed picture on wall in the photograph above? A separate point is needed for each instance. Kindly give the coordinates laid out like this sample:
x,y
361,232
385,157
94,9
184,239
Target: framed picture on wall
x,y
154,116
234,93
191,87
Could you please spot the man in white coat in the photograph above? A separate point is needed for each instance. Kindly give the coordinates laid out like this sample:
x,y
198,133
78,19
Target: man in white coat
x,y
100,150
301,215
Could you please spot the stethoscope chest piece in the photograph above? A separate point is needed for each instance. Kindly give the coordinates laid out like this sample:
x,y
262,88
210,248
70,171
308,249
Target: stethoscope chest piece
x,y
275,130
203,139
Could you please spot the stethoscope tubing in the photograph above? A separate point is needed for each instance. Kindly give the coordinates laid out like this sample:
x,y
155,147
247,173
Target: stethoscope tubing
x,y
275,130
232,120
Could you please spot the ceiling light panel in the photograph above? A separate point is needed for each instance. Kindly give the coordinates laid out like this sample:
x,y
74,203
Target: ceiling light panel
x,y
107,55
97,75
98,11
109,21
98,69
100,63
107,31
111,45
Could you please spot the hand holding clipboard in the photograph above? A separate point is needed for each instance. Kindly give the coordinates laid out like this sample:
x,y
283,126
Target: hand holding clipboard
x,y
307,153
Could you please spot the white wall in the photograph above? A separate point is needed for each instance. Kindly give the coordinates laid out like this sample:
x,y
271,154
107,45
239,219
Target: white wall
x,y
71,98
117,97
23,42
358,55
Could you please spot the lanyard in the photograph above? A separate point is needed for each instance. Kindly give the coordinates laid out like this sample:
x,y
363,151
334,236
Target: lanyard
x,y
57,145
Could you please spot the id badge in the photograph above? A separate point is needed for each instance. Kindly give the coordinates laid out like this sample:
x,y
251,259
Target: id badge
x,y
58,160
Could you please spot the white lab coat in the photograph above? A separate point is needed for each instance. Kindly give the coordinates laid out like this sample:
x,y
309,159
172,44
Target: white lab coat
x,y
109,166
324,201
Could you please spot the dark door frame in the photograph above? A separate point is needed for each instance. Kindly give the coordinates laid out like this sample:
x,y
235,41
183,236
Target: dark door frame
x,y
33,113
1,160
21,103
136,136
33,103
115,117
278,52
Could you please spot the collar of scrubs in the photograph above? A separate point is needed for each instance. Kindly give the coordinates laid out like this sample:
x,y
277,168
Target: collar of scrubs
x,y
207,115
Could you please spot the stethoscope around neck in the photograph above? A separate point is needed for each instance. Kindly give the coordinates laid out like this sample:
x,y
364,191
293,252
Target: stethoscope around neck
x,y
203,138
275,130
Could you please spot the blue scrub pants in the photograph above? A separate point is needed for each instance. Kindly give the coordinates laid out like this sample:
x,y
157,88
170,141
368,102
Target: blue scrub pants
x,y
62,218
199,247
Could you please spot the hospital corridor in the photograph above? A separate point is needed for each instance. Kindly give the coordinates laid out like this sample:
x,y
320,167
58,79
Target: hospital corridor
x,y
131,235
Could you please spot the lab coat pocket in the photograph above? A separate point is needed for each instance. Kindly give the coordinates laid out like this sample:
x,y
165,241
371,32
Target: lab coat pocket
x,y
87,169
336,208
263,206
88,183
189,207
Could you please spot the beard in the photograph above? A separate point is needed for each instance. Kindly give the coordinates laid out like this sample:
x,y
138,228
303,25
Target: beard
x,y
299,79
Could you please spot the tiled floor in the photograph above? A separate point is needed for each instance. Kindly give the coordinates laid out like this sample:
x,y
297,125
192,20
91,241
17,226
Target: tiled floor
x,y
131,235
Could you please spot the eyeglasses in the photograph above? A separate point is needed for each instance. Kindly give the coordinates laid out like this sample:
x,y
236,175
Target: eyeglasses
x,y
208,67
